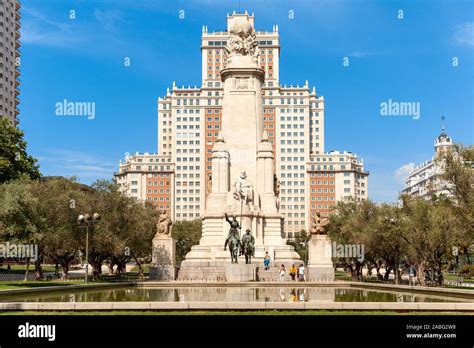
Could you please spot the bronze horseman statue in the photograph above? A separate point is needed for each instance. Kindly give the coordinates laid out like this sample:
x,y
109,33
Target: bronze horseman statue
x,y
233,239
248,246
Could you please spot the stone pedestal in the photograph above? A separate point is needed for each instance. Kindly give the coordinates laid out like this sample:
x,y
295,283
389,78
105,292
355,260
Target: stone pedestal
x,y
239,272
163,258
320,266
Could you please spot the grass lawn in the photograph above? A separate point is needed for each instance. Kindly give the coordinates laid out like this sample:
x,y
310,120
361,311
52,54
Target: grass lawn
x,y
20,269
225,313
341,275
454,277
146,269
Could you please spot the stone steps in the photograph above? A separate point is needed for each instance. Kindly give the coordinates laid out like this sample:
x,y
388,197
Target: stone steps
x,y
272,275
202,274
218,274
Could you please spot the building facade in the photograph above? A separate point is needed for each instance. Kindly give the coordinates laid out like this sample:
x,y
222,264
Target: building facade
x,y
9,59
335,176
148,177
190,119
424,180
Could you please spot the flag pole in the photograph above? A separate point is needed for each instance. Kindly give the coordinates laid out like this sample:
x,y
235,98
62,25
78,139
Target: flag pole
x,y
241,205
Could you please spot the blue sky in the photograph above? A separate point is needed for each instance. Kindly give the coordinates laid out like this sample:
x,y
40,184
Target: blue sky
x,y
408,59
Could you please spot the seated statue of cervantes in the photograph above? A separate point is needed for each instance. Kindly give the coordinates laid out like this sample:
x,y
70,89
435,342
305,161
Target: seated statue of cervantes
x,y
243,189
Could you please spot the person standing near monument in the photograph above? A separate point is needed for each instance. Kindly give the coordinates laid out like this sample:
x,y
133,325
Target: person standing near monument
x,y
282,273
302,276
412,274
293,272
266,261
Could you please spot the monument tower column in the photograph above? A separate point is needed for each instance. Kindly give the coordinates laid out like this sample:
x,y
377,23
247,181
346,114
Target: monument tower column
x,y
242,111
242,190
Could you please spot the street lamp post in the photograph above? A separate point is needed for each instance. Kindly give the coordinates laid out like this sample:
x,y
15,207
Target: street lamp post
x,y
88,222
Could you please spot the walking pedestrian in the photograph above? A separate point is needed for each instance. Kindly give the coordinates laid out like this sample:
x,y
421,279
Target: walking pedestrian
x,y
293,272
282,273
412,274
266,261
301,274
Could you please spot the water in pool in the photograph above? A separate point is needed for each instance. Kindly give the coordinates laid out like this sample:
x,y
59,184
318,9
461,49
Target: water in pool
x,y
233,294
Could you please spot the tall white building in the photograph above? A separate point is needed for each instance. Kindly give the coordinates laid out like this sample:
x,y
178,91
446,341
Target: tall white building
x,y
9,59
424,180
190,118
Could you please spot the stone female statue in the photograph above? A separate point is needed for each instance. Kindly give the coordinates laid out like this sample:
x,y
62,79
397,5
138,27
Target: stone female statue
x,y
164,223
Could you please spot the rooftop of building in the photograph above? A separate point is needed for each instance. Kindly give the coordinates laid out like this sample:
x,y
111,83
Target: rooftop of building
x,y
195,91
149,156
241,21
334,153
443,139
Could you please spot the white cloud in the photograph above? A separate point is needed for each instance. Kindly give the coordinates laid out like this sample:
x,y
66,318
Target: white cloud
x,y
362,54
464,34
402,173
41,30
383,186
75,163
359,54
109,18
32,34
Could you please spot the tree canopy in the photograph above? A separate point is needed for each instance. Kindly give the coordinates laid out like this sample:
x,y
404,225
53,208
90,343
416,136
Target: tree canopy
x,y
14,160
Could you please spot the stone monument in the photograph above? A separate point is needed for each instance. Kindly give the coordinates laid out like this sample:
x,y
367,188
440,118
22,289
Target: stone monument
x,y
320,266
164,250
243,183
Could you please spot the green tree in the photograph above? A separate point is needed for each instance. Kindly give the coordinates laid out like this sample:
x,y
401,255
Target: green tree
x,y
20,217
106,242
14,161
385,246
139,240
61,201
125,230
44,212
458,174
300,244
186,234
352,223
430,231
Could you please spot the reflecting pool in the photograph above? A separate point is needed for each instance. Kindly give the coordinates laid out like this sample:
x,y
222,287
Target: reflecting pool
x,y
232,294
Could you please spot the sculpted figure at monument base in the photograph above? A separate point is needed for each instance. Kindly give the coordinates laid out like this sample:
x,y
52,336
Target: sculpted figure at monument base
x,y
243,190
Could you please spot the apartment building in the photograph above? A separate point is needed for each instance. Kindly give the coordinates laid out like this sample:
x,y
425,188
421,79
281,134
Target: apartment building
x,y
335,176
9,59
148,177
424,180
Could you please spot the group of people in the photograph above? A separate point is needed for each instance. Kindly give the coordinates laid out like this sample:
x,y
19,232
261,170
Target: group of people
x,y
296,273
